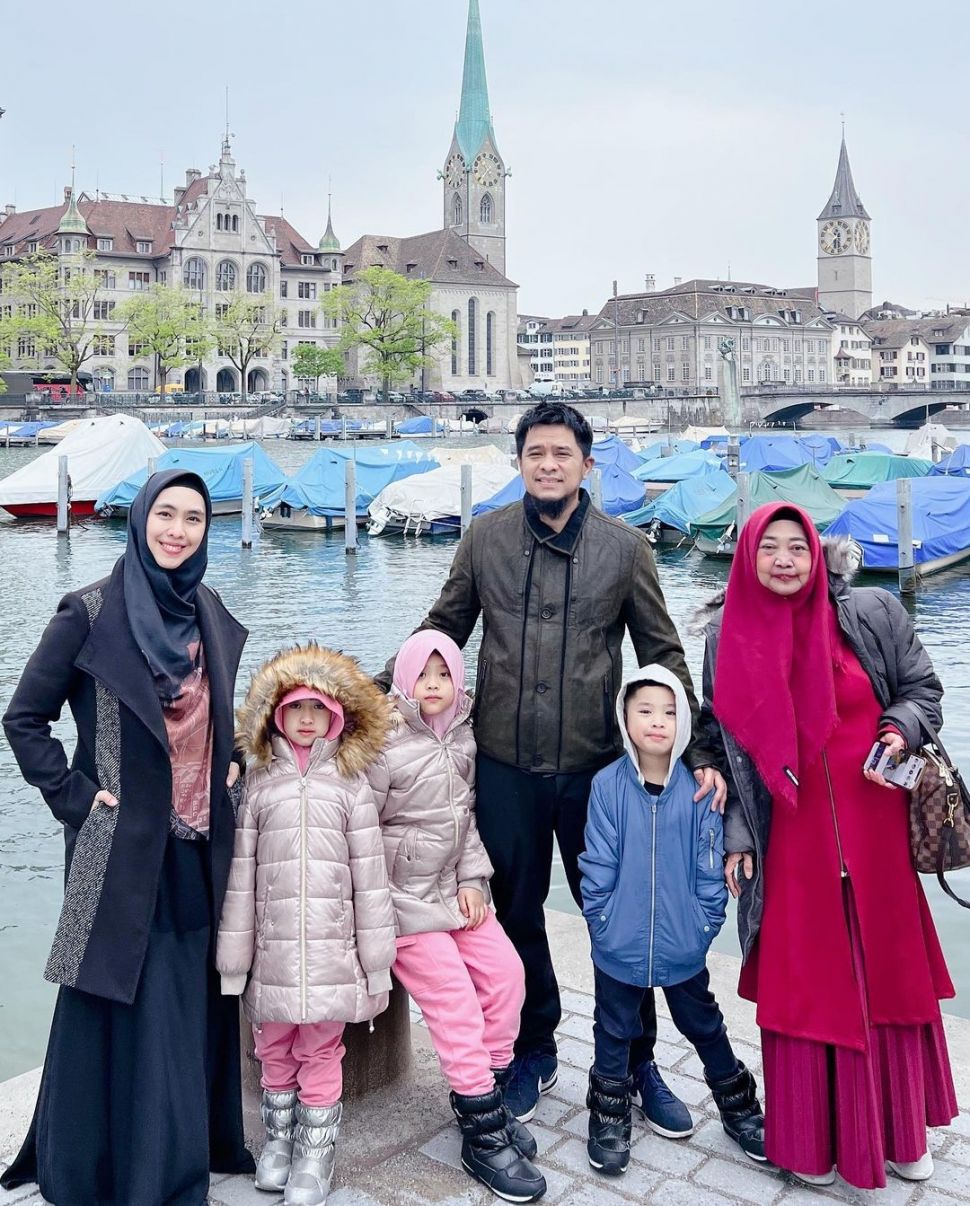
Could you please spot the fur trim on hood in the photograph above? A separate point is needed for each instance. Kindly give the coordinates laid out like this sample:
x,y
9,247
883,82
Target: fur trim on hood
x,y
842,559
366,708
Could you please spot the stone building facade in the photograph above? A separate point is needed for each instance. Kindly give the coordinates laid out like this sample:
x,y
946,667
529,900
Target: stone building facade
x,y
557,348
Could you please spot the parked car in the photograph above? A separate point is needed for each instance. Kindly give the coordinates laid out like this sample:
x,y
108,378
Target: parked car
x,y
441,395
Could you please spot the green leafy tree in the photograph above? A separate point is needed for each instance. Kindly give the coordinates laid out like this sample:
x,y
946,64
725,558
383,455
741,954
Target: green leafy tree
x,y
169,324
386,318
312,361
52,320
245,328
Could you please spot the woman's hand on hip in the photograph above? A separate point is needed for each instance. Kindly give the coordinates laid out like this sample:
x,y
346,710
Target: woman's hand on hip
x,y
233,774
709,779
472,904
896,743
104,797
746,862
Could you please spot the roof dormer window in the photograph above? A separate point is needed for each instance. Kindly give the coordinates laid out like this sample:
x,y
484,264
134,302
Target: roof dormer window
x,y
452,263
144,246
31,247
8,249
105,244
307,260
382,247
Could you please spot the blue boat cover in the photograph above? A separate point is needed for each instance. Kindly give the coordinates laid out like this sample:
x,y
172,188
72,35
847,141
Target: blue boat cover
x,y
685,502
219,468
957,464
621,492
676,468
319,485
770,454
26,431
422,425
612,451
654,451
941,521
824,447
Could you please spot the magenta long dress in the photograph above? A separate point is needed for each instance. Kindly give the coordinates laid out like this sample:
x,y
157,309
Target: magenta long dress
x,y
847,972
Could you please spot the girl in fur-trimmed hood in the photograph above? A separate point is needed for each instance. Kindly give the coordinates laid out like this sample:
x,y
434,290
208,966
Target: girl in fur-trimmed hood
x,y
307,930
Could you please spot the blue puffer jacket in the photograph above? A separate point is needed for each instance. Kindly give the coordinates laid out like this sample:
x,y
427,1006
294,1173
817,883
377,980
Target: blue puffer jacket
x,y
653,881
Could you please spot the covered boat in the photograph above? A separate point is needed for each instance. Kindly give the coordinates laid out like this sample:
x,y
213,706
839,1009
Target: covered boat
x,y
220,468
621,492
957,464
941,525
655,449
931,442
699,435
664,471
53,433
853,474
266,428
430,503
23,434
715,533
483,454
315,497
99,452
669,516
771,454
612,451
421,425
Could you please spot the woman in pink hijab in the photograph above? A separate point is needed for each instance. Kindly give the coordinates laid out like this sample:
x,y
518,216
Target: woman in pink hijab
x,y
453,957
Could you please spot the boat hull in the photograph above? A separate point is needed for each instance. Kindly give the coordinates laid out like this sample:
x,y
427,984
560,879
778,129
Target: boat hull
x,y
48,510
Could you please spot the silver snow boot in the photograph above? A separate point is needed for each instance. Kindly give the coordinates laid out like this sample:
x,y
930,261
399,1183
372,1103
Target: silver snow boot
x,y
313,1153
278,1111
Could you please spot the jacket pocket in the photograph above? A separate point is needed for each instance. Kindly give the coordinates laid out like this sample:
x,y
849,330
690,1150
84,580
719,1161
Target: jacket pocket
x,y
404,857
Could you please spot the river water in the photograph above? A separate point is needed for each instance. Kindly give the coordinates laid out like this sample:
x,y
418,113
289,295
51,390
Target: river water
x,y
293,587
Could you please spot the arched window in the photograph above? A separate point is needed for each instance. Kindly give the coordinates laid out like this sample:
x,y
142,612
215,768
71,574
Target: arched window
x,y
256,279
138,378
193,275
218,221
235,224
489,343
456,319
472,325
104,379
226,276
485,210
459,210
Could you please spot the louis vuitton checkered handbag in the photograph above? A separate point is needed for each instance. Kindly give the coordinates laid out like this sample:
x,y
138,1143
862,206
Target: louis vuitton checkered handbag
x,y
939,812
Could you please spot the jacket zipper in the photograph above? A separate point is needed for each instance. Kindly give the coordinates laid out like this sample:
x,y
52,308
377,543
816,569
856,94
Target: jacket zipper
x,y
711,857
303,804
653,887
843,871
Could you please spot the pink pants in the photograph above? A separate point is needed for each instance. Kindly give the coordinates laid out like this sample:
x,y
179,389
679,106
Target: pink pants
x,y
469,985
304,1057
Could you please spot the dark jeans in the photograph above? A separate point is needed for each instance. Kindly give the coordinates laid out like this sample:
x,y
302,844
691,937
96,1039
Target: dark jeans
x,y
518,814
625,1026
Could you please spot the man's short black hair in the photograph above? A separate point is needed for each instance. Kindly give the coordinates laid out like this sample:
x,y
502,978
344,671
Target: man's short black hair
x,y
555,414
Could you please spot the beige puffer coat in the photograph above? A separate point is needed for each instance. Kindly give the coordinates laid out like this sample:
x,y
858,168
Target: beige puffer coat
x,y
307,914
425,789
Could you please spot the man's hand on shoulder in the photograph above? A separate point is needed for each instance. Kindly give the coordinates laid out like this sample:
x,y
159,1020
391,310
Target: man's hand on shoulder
x,y
708,780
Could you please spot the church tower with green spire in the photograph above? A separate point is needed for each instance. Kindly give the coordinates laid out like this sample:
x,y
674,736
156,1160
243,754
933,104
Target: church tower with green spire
x,y
474,174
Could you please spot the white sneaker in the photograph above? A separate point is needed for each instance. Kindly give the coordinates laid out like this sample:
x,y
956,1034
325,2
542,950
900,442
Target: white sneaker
x,y
816,1178
915,1170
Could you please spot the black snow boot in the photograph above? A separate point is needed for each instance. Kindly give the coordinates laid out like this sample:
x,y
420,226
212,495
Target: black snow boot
x,y
521,1135
610,1123
488,1152
737,1101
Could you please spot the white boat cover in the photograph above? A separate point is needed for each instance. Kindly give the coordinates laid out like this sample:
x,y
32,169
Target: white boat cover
x,y
54,435
697,434
437,494
266,428
484,454
100,453
920,443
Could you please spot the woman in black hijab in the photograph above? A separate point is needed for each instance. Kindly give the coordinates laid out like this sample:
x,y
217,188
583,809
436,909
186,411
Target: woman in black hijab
x,y
140,1096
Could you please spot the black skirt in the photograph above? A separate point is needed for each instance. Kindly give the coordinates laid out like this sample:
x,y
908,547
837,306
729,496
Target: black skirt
x,y
139,1102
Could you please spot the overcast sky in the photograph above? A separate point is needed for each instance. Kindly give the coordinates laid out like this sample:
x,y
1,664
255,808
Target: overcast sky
x,y
683,139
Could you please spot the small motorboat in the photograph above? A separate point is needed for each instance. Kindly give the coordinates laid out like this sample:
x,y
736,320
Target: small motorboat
x,y
430,504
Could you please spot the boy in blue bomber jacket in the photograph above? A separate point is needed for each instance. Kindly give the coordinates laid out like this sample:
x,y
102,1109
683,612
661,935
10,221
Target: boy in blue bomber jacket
x,y
654,897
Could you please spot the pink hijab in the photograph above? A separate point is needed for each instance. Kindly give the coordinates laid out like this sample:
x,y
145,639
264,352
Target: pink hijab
x,y
412,658
302,752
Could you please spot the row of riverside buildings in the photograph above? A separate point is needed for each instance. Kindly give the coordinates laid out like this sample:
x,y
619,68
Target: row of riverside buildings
x,y
211,239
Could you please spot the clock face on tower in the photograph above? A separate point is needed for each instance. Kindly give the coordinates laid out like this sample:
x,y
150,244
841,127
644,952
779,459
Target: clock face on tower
x,y
455,170
835,237
487,170
861,238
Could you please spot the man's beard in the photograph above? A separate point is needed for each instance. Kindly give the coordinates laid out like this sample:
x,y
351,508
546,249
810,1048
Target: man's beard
x,y
551,508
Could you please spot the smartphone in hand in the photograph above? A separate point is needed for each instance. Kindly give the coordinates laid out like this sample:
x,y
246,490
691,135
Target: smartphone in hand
x,y
898,767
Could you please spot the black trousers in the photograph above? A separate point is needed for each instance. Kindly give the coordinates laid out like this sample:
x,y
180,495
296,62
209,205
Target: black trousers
x,y
519,813
625,1025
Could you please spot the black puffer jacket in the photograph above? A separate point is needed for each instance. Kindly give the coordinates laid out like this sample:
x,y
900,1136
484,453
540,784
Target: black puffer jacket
x,y
881,634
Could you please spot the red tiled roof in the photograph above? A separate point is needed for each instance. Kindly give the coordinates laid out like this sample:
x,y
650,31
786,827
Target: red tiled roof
x,y
289,242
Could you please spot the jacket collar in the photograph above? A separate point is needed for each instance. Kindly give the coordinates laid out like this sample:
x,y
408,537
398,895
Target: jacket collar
x,y
564,541
411,715
321,751
111,656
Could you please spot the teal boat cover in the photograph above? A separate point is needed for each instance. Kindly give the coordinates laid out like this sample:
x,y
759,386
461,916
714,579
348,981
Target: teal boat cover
x,y
319,487
684,502
803,486
612,451
220,468
676,468
862,470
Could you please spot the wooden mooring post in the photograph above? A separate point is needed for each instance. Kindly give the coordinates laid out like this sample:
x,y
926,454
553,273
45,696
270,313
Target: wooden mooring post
x,y
904,536
247,503
350,506
63,497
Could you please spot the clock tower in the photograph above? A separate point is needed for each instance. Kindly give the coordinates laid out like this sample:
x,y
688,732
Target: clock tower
x,y
844,254
474,174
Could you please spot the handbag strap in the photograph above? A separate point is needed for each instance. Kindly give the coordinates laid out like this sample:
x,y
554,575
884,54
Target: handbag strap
x,y
948,836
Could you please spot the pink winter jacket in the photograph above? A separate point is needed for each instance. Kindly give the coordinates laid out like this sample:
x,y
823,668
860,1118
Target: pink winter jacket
x,y
425,790
307,915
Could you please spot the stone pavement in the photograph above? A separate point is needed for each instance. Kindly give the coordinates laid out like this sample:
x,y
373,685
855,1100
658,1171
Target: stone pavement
x,y
400,1149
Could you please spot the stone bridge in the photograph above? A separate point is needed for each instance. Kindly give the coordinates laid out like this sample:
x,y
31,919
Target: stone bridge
x,y
904,407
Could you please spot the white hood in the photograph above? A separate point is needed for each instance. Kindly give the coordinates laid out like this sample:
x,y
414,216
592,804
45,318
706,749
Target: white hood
x,y
658,674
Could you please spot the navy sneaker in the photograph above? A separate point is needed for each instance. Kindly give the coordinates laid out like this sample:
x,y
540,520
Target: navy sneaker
x,y
662,1111
533,1073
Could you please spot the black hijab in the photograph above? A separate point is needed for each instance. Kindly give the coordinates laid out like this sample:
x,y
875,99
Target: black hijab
x,y
160,602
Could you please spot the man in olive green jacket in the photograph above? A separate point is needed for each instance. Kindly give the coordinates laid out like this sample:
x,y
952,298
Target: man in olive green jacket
x,y
557,584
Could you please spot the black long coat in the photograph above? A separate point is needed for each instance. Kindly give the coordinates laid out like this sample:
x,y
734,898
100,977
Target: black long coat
x,y
88,659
